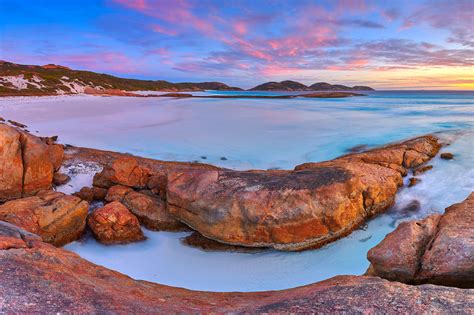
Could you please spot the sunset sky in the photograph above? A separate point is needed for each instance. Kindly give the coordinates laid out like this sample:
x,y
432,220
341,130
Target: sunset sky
x,y
383,44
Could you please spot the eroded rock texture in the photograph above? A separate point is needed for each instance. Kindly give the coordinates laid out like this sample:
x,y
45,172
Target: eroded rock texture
x,y
114,224
57,218
39,278
292,210
438,249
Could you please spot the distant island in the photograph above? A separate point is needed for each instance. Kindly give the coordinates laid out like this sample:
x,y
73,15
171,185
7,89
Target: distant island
x,y
297,86
34,80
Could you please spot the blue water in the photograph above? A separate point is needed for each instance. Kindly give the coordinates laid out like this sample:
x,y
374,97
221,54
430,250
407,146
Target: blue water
x,y
260,134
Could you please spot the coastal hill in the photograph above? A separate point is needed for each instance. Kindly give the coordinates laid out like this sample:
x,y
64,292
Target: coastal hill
x,y
297,86
51,79
16,79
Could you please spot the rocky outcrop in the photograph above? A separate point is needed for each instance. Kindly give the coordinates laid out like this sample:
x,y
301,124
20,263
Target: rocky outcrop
x,y
27,163
438,249
57,218
39,278
292,210
114,224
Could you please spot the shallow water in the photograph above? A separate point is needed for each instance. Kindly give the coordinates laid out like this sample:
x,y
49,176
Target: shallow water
x,y
258,134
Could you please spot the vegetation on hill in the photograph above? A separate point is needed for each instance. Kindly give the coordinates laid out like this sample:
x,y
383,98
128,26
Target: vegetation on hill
x,y
50,79
296,86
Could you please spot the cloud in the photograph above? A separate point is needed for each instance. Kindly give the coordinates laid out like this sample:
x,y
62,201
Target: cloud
x,y
453,16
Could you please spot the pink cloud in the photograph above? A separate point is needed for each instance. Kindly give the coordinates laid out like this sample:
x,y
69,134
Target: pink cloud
x,y
160,29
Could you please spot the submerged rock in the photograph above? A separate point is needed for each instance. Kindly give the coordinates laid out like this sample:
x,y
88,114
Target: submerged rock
x,y
413,181
438,249
447,156
198,241
114,224
57,218
421,170
39,278
293,210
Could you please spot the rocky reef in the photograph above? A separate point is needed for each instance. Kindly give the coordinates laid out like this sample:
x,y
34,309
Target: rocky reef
x,y
427,264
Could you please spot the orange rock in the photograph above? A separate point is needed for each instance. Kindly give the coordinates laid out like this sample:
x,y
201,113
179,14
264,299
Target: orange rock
x,y
398,256
38,169
117,193
114,224
449,260
91,193
151,211
41,279
56,154
57,218
123,171
438,249
293,210
11,163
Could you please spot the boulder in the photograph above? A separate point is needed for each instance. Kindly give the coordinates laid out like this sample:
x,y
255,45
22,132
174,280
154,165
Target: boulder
x,y
398,256
26,166
114,224
413,181
438,249
38,168
293,210
56,155
151,211
60,179
449,260
39,278
124,171
90,194
57,218
117,193
11,163
447,156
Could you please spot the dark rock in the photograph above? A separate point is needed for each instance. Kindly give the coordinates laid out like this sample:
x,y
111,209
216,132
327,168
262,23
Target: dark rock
x,y
447,156
60,179
413,181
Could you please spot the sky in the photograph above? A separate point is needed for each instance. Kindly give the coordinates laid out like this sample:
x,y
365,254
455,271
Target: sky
x,y
384,44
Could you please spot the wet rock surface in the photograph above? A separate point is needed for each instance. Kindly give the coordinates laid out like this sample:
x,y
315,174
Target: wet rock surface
x,y
39,278
438,249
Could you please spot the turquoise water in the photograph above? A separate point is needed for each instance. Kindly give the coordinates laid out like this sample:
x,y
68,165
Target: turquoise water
x,y
259,134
